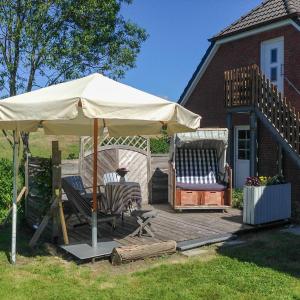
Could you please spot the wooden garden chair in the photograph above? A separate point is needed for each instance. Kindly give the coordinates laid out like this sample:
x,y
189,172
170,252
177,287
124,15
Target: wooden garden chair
x,y
84,204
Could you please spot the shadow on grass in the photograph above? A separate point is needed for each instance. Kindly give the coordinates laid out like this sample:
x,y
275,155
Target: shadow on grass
x,y
23,237
272,249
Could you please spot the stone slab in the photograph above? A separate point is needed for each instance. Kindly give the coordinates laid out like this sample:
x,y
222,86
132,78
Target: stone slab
x,y
195,252
85,251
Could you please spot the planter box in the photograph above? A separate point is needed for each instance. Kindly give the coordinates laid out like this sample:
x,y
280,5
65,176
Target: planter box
x,y
263,204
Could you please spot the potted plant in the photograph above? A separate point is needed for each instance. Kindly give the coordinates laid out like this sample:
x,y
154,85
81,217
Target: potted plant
x,y
122,173
266,199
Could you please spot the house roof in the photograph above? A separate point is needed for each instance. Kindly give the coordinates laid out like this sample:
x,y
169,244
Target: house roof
x,y
268,11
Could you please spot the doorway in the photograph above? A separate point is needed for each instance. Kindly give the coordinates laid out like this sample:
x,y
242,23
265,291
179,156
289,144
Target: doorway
x,y
241,155
272,61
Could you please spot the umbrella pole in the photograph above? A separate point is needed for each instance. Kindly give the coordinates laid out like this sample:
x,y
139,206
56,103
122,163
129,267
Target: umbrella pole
x,y
15,195
95,183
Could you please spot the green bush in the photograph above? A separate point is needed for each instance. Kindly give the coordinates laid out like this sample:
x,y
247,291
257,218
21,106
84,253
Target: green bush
x,y
6,186
72,156
237,198
160,145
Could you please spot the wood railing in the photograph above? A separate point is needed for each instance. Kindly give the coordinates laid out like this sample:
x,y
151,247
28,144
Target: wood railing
x,y
247,86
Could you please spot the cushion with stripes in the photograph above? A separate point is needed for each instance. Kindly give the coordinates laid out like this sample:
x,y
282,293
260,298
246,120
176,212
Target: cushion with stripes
x,y
196,166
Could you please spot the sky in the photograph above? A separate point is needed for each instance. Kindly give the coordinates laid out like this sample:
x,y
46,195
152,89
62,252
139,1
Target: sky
x,y
178,38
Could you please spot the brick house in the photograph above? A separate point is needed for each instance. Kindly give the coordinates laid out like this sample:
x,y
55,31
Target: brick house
x,y
264,128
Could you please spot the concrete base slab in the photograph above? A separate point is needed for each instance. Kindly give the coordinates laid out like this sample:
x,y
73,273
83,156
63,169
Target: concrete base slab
x,y
213,239
85,251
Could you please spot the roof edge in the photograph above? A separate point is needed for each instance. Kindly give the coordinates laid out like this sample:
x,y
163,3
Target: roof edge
x,y
204,57
289,16
223,40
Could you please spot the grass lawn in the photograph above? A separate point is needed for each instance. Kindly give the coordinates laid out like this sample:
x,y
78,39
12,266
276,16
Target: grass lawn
x,y
266,267
40,145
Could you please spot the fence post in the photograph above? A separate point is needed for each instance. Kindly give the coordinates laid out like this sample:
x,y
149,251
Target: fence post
x,y
230,152
56,185
26,184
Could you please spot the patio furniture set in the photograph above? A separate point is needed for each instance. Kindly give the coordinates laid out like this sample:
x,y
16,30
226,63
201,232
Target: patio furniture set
x,y
115,198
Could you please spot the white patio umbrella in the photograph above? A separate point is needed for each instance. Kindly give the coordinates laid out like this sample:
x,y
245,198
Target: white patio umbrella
x,y
85,107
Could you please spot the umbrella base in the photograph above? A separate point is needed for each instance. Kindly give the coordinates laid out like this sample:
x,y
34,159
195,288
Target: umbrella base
x,y
85,251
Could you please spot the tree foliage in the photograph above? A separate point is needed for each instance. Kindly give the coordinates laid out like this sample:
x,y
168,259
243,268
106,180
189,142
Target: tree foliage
x,y
6,186
160,145
43,42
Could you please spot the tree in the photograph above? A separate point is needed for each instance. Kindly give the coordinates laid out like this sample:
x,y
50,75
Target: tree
x,y
43,42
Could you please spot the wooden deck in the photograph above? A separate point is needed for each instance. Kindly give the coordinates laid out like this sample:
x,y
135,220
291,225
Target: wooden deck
x,y
168,225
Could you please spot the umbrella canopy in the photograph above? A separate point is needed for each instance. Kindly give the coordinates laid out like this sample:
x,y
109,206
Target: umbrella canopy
x,y
68,108
83,107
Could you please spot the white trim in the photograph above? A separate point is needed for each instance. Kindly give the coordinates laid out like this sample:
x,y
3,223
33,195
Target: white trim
x,y
236,128
231,39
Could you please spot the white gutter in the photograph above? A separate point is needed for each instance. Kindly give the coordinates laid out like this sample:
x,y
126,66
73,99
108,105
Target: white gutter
x,y
231,39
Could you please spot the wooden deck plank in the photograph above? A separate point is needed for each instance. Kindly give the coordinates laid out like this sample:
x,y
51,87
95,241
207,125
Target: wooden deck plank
x,y
168,225
181,224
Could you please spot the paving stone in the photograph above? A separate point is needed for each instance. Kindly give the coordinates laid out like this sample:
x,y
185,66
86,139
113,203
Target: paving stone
x,y
231,243
194,252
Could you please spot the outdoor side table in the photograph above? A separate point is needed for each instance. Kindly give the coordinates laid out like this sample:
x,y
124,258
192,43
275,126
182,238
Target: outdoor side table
x,y
119,195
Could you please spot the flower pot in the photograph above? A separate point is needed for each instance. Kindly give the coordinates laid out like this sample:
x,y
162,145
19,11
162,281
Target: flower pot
x,y
263,204
122,173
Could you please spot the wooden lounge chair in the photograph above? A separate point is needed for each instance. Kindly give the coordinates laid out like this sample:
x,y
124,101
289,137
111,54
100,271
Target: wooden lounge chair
x,y
77,183
84,205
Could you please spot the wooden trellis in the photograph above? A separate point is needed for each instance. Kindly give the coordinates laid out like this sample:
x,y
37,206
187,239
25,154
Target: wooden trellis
x,y
132,152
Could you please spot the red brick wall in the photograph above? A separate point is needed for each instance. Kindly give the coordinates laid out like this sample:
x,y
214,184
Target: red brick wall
x,y
207,98
267,152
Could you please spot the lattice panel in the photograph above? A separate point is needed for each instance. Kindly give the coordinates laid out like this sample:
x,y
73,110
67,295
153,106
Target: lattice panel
x,y
138,142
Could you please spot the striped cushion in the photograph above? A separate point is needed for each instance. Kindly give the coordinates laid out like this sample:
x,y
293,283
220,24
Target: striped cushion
x,y
198,166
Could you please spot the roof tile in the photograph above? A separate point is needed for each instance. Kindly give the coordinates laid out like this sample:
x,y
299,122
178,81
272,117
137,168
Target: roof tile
x,y
268,10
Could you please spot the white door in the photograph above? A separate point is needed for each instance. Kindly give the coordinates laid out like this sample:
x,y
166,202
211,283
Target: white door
x,y
272,61
242,155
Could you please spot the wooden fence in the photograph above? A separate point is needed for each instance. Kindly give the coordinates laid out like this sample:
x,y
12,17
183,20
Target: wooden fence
x,y
247,86
132,153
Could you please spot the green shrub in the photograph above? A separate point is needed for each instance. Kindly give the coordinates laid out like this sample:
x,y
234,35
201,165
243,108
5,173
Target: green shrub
x,y
72,156
41,184
160,145
237,198
6,186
